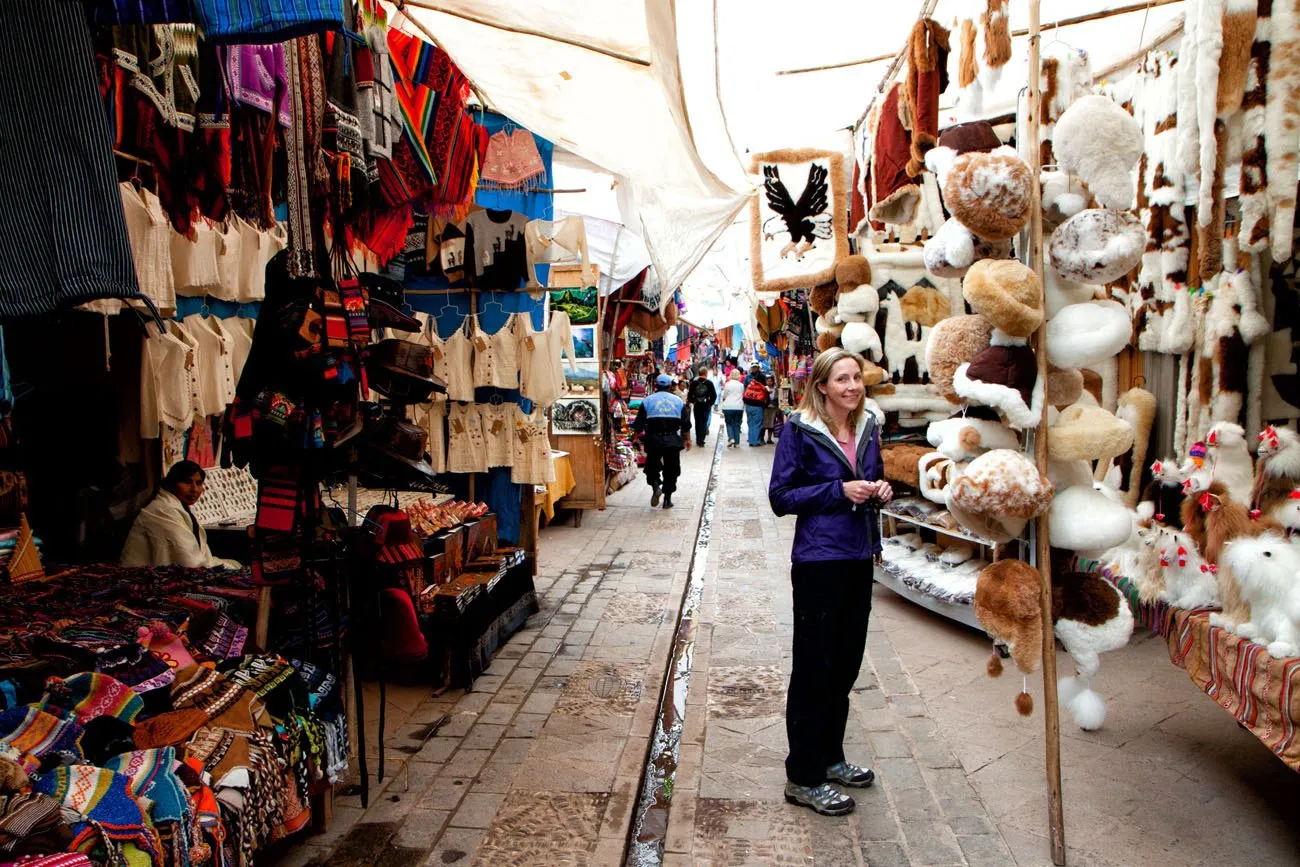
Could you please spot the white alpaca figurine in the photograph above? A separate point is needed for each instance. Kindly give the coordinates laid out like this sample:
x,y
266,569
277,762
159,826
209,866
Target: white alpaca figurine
x,y
1189,581
1230,461
903,340
1266,569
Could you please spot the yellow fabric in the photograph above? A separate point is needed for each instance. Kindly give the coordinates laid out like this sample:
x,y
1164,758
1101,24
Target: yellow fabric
x,y
558,489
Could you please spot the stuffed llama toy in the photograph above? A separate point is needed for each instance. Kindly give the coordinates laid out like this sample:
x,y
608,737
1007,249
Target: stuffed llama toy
x,y
1213,519
1230,461
1162,498
1277,473
1189,581
1268,572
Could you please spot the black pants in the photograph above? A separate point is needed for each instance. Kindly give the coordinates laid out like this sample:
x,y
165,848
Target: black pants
x,y
663,466
702,411
832,602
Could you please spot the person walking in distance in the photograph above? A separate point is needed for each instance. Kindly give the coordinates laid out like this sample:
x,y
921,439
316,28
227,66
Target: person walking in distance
x,y
828,472
733,407
702,395
664,423
755,403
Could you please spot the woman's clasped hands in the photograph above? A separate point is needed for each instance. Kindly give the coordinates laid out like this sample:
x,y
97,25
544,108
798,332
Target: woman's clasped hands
x,y
858,492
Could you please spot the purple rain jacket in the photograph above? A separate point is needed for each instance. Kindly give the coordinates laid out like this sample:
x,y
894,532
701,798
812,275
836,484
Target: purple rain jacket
x,y
808,473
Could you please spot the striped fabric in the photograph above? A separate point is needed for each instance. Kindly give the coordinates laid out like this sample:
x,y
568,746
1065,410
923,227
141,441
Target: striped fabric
x,y
63,237
266,20
103,797
1259,691
33,734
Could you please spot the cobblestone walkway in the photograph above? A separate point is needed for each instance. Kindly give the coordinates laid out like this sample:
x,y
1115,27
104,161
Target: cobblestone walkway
x,y
541,763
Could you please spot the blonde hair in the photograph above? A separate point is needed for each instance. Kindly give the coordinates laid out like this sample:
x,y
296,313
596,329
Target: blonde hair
x,y
735,376
813,404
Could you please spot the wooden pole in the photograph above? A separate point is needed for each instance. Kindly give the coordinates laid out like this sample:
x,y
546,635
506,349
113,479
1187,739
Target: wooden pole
x,y
1042,540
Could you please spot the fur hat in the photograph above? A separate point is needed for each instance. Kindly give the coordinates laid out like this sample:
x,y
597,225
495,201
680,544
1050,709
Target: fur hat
x,y
1006,292
1059,293
861,338
977,136
1064,195
827,340
934,474
963,439
1088,433
1097,246
1101,143
990,193
1008,605
858,304
954,248
953,342
1064,386
822,298
852,272
1084,519
902,463
1005,378
1085,335
1003,483
925,305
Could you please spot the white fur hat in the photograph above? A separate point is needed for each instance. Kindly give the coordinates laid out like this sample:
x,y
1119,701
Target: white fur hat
x,y
1097,246
1059,293
962,438
1086,520
1084,335
954,248
864,301
1064,195
1101,143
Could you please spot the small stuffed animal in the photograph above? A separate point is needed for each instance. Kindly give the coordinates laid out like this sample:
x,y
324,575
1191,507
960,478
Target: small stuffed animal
x,y
1162,499
1277,474
1190,582
1230,461
1267,569
1212,520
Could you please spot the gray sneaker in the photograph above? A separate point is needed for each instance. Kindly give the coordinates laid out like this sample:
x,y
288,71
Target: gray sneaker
x,y
654,495
848,774
824,799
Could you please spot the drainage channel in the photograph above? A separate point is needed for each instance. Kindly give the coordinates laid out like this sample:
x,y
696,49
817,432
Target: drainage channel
x,y
649,830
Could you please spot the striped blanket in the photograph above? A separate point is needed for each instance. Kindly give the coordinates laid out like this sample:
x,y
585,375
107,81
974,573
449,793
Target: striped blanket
x,y
1259,691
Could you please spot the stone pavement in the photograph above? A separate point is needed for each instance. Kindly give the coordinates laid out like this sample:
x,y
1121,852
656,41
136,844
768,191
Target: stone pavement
x,y
540,764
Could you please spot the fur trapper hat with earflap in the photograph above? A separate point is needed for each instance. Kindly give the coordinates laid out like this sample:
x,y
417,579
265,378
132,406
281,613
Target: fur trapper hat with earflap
x,y
1064,386
954,342
852,272
990,193
1005,377
1101,143
1008,605
1006,292
954,248
1097,246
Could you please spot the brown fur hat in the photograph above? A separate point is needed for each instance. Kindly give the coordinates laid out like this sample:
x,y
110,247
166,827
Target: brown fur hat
x,y
953,342
822,298
902,463
1008,293
852,272
827,341
1064,386
925,305
1007,595
990,193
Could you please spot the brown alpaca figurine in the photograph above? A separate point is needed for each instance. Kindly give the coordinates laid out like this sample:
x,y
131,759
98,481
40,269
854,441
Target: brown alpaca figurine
x,y
1213,520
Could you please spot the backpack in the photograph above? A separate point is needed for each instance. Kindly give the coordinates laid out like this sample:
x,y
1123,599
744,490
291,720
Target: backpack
x,y
700,391
756,390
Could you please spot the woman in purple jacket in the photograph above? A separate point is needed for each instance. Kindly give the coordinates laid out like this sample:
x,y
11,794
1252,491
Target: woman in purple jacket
x,y
827,471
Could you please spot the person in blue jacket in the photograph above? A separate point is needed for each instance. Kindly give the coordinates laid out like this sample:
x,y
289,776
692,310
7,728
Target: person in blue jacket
x,y
664,423
827,471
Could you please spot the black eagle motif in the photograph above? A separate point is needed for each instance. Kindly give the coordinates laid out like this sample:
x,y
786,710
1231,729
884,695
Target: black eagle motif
x,y
805,220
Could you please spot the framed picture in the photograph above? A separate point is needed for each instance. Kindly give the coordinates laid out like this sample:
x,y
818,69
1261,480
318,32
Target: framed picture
x,y
798,220
584,341
576,415
582,305
636,342
584,374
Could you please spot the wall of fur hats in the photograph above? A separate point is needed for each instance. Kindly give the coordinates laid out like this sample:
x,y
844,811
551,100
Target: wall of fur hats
x,y
1168,304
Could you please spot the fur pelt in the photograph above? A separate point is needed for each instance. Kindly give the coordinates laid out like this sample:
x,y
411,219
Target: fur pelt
x,y
925,305
1239,17
990,193
1137,406
1230,462
1007,293
926,78
861,338
1097,246
1252,199
1282,124
967,61
953,342
1101,143
1277,474
1085,335
822,298
996,24
902,463
1266,569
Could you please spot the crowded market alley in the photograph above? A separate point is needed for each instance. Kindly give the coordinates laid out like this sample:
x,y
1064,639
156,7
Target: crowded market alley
x,y
544,760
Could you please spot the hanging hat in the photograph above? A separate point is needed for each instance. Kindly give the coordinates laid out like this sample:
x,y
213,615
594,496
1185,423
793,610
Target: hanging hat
x,y
1088,433
403,371
1085,335
512,162
954,248
1083,519
395,541
953,342
1008,605
400,638
1007,293
1101,143
990,193
393,450
1003,489
1004,377
1097,246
